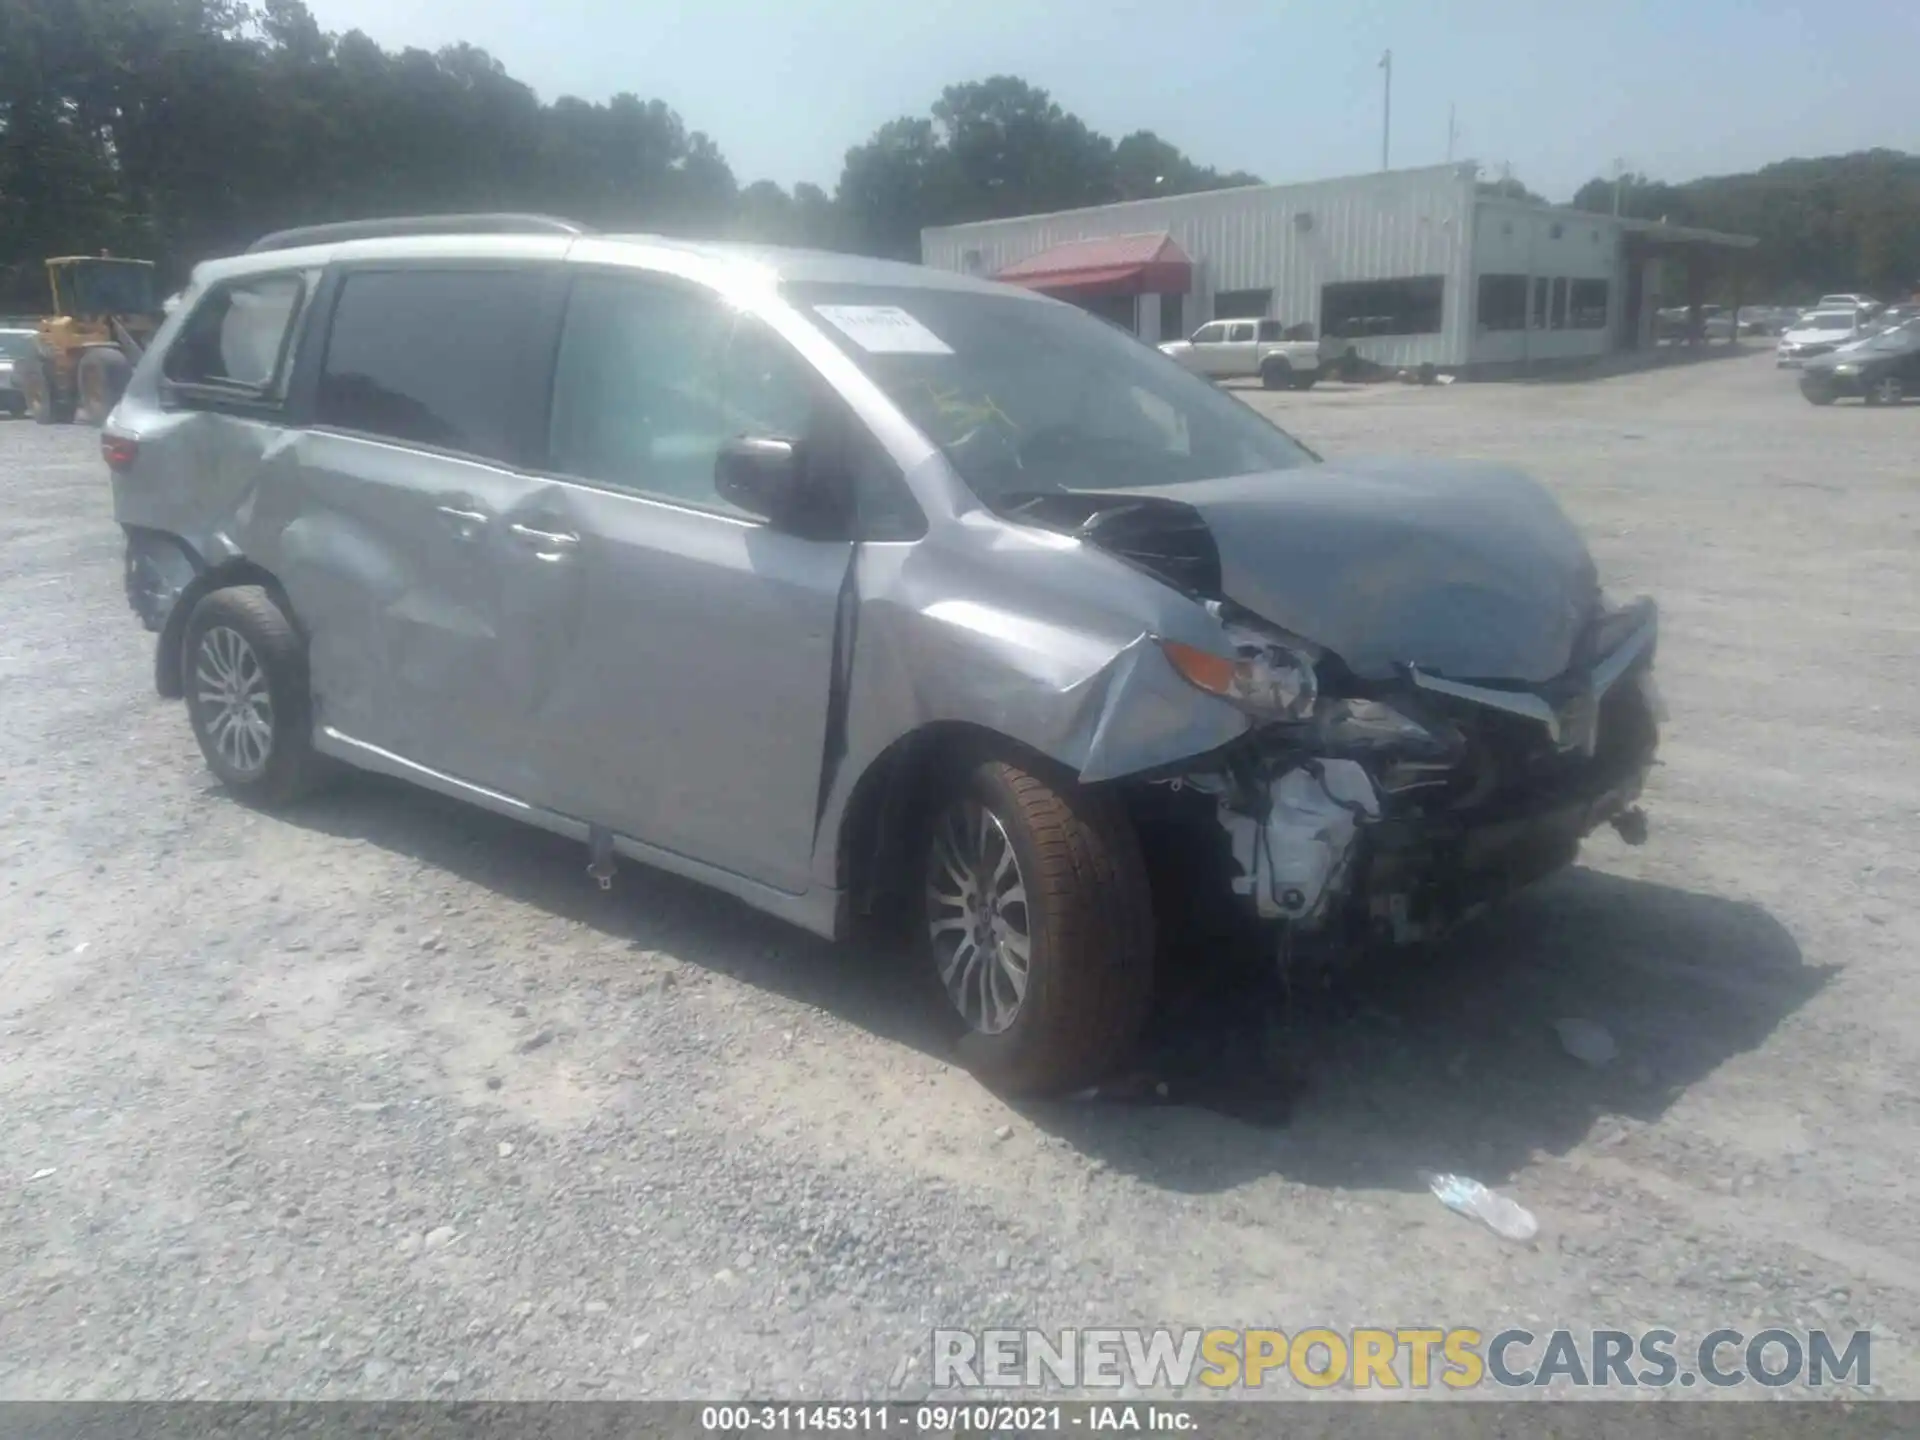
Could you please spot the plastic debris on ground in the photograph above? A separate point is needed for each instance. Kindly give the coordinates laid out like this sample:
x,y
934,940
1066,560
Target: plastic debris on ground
x,y
1587,1041
1470,1198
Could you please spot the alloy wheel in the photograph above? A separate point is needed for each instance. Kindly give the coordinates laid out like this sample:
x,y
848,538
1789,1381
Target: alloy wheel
x,y
236,706
1887,390
978,917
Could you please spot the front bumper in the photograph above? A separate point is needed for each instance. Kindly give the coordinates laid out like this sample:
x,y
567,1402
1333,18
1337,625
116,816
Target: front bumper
x,y
1340,845
1788,356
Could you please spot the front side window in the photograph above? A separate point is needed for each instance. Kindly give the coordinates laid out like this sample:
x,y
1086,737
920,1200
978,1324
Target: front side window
x,y
1027,398
431,357
236,337
1210,334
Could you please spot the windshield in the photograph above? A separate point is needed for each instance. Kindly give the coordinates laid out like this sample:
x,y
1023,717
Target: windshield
x,y
15,344
1904,336
1832,320
108,287
1026,398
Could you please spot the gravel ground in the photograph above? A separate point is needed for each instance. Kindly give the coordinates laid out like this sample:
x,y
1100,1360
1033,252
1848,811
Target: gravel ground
x,y
383,1098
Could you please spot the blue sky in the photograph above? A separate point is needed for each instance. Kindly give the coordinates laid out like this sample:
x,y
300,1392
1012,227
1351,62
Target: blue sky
x,y
1287,89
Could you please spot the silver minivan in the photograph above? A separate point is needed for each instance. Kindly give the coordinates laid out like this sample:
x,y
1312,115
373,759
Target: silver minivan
x,y
834,583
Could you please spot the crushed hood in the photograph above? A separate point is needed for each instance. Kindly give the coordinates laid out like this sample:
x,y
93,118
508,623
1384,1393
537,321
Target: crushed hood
x,y
1464,570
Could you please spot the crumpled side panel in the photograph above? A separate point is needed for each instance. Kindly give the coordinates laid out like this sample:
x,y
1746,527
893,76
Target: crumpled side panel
x,y
1049,643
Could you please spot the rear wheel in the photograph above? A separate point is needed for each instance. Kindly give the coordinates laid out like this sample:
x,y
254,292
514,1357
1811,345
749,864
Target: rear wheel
x,y
1276,373
1039,927
245,672
100,379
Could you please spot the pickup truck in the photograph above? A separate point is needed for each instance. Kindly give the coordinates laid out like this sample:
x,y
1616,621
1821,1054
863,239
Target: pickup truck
x,y
1229,349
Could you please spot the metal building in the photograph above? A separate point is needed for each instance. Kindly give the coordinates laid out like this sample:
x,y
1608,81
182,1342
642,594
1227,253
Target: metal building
x,y
1405,266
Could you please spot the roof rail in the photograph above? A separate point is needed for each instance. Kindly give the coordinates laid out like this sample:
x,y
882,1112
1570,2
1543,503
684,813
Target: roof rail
x,y
496,224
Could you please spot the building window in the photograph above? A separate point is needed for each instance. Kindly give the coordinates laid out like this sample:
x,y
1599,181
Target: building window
x,y
1114,309
1503,302
1539,320
1241,304
1557,309
1587,309
1353,309
1172,320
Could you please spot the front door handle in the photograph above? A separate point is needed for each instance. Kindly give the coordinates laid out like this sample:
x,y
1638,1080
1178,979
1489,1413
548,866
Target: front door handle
x,y
543,539
467,524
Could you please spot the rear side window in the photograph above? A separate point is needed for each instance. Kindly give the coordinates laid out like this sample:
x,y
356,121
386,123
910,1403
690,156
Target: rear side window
x,y
430,357
236,337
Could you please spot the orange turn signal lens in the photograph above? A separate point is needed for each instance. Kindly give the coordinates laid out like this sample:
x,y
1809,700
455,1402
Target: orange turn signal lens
x,y
1212,673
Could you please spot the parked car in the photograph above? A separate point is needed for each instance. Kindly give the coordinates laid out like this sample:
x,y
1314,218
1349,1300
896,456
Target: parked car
x,y
1883,369
16,346
853,588
1249,349
1848,301
1818,333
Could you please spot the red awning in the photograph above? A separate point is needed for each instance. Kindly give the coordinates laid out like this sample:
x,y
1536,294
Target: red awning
x,y
1120,265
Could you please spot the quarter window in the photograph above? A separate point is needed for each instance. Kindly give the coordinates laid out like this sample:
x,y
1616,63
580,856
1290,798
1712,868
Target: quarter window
x,y
431,357
237,336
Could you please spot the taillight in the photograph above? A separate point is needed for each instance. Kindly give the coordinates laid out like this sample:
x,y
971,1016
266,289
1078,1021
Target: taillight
x,y
119,451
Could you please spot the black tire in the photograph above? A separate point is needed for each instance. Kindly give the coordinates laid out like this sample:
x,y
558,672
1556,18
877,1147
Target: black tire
x,y
1276,373
1089,919
290,768
99,381
1818,392
43,400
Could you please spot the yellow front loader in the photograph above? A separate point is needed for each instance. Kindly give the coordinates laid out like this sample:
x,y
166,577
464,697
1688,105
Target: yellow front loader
x,y
104,315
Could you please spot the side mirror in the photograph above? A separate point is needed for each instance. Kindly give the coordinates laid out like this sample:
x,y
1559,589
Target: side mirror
x,y
760,476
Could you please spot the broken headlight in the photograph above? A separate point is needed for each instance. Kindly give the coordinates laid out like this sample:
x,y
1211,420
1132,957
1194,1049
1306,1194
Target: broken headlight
x,y
1263,677
1372,725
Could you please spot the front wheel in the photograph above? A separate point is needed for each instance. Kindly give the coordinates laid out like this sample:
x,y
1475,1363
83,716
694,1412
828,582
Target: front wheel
x,y
1818,392
245,672
43,396
1039,927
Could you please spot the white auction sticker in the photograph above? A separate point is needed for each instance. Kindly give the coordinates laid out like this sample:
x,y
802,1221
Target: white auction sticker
x,y
883,329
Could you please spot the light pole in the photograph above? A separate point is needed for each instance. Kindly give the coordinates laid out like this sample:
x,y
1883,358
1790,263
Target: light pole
x,y
1386,105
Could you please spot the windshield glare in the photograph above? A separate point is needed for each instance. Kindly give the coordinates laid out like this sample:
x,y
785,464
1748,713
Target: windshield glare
x,y
1028,398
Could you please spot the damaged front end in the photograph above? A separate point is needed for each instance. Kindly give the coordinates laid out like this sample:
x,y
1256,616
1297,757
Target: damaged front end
x,y
1388,811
